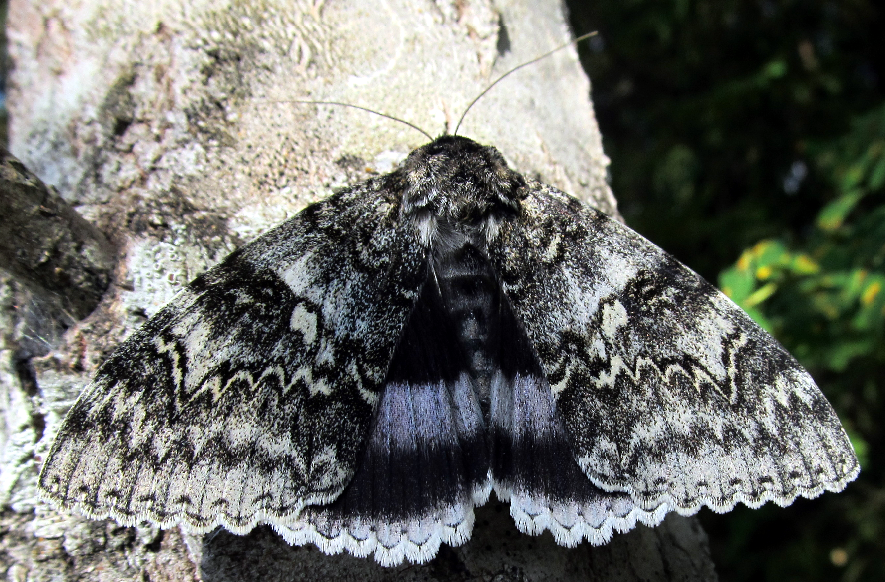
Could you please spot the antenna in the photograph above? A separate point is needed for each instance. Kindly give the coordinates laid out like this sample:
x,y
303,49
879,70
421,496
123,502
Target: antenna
x,y
516,68
308,101
463,115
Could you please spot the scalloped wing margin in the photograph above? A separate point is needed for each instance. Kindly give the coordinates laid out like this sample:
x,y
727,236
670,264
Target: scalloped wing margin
x,y
669,391
248,396
421,476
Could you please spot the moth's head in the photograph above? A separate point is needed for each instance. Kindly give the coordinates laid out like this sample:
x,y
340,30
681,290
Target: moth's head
x,y
456,180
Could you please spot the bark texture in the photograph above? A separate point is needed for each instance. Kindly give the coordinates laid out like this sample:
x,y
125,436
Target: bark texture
x,y
169,126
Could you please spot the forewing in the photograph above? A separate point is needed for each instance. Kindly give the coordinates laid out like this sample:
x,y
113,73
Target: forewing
x,y
250,394
668,390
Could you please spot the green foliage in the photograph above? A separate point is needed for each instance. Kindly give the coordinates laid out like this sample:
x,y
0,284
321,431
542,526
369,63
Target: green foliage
x,y
706,108
756,130
825,298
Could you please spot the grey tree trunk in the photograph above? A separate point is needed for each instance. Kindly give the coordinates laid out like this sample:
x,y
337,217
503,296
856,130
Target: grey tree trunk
x,y
169,126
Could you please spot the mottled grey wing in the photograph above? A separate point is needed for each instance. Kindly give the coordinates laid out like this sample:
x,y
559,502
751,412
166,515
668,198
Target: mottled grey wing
x,y
669,391
250,395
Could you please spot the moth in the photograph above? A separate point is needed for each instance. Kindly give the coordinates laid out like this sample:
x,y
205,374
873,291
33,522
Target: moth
x,y
365,374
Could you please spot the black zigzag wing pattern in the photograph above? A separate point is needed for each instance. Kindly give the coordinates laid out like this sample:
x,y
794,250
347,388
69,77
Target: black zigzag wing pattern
x,y
250,394
668,391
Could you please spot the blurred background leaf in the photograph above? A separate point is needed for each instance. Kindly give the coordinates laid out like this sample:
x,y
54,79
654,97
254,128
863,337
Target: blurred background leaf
x,y
748,139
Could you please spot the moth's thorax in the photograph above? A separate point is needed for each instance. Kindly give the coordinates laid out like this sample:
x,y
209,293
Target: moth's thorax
x,y
457,192
456,181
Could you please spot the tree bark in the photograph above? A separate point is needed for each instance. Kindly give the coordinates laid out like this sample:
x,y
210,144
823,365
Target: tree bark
x,y
171,128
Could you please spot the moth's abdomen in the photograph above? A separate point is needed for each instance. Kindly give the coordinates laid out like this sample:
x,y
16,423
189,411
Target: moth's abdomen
x,y
471,298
